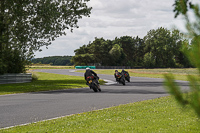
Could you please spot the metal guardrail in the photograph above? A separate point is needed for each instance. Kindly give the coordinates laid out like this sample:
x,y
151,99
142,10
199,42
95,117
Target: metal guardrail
x,y
113,67
103,67
84,67
15,78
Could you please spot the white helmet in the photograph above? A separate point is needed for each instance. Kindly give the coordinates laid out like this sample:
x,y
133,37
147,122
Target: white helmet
x,y
87,68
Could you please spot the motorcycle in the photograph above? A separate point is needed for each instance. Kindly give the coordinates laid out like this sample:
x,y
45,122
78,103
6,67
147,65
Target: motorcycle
x,y
127,77
120,78
92,83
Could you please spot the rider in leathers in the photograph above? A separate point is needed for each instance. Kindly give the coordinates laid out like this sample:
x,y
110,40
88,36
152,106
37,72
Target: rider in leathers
x,y
115,74
123,71
90,73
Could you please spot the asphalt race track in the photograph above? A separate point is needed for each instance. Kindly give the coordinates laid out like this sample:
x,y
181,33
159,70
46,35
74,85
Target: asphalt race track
x,y
25,108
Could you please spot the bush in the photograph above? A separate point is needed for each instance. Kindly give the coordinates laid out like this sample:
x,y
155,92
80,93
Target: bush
x,y
34,77
12,61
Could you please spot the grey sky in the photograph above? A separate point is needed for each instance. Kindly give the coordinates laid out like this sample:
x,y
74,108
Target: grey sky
x,y
116,18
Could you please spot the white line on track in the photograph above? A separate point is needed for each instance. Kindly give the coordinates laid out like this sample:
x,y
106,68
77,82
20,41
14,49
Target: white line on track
x,y
109,82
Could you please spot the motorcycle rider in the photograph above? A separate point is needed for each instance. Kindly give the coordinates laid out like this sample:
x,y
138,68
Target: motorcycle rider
x,y
89,73
115,74
126,75
123,71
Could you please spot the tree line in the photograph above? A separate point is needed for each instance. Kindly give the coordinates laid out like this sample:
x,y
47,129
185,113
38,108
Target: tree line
x,y
54,60
159,48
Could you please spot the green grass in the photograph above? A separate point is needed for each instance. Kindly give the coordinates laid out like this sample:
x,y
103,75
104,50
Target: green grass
x,y
171,70
179,74
152,116
45,82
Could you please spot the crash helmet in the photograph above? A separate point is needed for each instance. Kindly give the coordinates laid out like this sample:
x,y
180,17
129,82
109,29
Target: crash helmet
x,y
87,68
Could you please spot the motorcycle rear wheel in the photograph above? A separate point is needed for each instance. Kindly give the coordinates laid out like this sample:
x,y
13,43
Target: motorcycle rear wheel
x,y
95,87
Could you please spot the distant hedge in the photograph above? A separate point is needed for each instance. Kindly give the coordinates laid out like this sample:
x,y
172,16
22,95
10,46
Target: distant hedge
x,y
54,60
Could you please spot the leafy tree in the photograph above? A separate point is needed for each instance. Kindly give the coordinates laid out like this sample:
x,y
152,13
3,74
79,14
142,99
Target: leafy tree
x,y
26,25
127,43
163,46
192,51
83,59
117,54
106,58
156,42
133,48
149,60
13,59
99,49
82,50
178,40
139,53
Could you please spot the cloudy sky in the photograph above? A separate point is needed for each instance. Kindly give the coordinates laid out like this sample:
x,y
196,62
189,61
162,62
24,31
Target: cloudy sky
x,y
115,18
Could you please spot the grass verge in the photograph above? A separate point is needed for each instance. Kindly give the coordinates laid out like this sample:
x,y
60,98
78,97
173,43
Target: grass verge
x,y
44,82
152,116
179,74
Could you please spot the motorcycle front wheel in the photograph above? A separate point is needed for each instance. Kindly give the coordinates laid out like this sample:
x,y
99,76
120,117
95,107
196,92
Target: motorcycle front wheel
x,y
99,88
123,81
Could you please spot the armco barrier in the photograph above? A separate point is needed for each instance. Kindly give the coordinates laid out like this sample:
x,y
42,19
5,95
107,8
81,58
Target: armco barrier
x,y
15,78
84,67
113,67
103,67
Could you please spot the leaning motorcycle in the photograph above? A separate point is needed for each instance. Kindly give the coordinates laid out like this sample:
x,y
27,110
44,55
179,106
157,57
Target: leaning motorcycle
x,y
92,83
120,78
127,77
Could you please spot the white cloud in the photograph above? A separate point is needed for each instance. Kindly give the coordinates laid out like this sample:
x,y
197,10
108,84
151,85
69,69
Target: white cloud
x,y
116,18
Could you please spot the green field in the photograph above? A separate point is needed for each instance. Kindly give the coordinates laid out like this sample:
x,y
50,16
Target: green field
x,y
45,82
